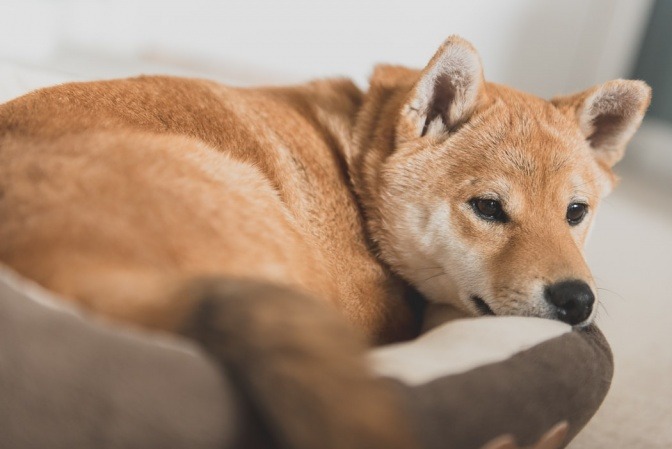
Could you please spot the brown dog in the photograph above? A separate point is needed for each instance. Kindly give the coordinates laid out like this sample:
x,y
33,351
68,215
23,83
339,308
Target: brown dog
x,y
116,194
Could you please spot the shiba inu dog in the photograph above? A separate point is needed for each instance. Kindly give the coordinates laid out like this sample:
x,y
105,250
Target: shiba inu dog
x,y
482,196
128,197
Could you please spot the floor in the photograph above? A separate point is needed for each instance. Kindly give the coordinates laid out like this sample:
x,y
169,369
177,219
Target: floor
x,y
630,252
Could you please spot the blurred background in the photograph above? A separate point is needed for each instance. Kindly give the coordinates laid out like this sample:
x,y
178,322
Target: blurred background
x,y
546,47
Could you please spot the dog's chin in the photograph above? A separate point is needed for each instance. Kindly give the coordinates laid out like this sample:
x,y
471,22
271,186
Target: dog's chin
x,y
584,324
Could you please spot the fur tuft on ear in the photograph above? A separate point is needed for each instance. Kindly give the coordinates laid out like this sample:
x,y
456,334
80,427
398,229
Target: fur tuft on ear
x,y
608,115
448,91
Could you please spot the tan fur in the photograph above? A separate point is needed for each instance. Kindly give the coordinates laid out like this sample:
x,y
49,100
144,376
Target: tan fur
x,y
113,184
309,383
108,188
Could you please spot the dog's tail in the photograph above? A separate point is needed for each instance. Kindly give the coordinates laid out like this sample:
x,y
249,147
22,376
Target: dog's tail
x,y
298,364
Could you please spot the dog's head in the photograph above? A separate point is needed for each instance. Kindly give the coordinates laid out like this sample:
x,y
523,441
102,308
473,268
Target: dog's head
x,y
486,195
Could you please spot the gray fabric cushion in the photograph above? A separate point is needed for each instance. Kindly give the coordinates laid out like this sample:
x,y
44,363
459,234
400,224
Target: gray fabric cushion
x,y
69,382
523,376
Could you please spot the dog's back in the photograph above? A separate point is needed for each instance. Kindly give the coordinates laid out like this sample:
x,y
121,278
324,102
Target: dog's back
x,y
111,188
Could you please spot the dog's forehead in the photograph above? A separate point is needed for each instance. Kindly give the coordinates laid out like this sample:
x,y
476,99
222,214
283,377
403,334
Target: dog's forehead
x,y
523,119
524,140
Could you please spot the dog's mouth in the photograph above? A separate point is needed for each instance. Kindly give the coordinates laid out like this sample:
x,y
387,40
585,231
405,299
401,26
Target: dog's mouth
x,y
481,305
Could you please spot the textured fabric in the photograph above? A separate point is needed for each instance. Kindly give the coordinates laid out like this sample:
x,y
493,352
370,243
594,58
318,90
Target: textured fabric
x,y
562,379
442,352
68,382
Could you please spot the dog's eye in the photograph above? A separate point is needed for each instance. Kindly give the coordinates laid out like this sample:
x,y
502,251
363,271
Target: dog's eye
x,y
488,209
576,213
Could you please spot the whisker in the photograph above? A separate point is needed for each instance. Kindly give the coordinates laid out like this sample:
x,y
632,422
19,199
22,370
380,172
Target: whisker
x,y
427,268
443,273
602,307
617,295
598,313
598,176
598,317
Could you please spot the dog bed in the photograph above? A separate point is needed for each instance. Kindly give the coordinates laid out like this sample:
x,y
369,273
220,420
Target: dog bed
x,y
70,382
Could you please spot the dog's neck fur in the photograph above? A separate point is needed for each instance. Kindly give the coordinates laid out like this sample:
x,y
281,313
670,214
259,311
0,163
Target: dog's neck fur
x,y
374,136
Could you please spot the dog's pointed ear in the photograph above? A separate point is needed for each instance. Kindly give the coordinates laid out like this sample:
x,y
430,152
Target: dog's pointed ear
x,y
449,90
608,115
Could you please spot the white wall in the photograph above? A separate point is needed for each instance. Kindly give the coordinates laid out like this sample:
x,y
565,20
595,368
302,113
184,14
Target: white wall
x,y
547,47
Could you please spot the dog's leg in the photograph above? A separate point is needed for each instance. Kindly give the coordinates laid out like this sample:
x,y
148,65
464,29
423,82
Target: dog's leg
x,y
299,364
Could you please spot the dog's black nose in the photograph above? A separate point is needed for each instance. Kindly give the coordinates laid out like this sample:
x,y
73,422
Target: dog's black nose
x,y
572,299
